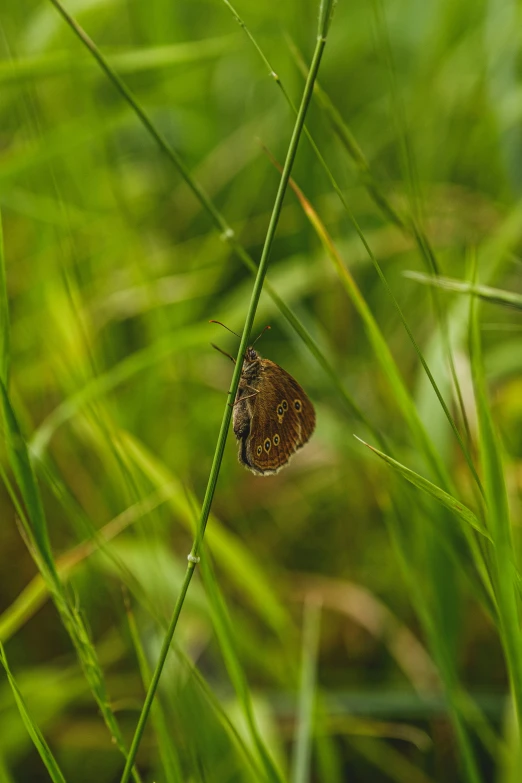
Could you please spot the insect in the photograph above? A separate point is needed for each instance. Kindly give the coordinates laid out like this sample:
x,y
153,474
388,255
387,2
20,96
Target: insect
x,y
272,416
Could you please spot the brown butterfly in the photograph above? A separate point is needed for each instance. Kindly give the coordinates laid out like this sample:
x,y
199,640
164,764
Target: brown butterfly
x,y
273,416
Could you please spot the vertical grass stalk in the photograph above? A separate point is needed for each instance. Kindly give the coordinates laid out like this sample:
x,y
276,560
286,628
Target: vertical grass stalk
x,y
4,315
307,691
324,20
498,517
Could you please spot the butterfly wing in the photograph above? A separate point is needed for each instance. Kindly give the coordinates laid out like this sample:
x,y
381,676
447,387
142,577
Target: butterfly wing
x,y
282,421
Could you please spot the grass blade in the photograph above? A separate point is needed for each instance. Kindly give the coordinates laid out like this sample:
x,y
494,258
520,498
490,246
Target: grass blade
x,y
499,521
224,631
5,341
34,732
485,292
167,748
447,500
307,690
26,480
36,592
38,533
130,61
228,550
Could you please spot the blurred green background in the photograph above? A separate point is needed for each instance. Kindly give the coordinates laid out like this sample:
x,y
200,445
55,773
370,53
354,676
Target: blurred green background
x,y
359,645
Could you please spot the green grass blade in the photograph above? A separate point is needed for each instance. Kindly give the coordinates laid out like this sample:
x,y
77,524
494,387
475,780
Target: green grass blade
x,y
402,396
485,292
380,347
394,765
227,549
105,382
447,500
26,480
36,592
401,535
215,703
130,61
498,521
34,732
71,618
5,335
224,631
167,748
301,767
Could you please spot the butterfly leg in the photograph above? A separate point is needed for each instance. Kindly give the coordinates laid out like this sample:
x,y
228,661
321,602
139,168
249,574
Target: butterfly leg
x,y
246,386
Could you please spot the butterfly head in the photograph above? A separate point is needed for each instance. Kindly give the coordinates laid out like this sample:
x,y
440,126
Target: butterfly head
x,y
251,364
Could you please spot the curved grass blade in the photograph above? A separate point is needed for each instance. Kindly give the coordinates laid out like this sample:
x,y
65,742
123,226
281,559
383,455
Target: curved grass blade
x,y
36,592
130,61
485,292
34,732
447,500
26,480
105,382
215,703
38,533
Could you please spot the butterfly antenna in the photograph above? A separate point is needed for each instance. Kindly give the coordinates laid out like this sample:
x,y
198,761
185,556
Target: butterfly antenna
x,y
260,335
225,327
223,352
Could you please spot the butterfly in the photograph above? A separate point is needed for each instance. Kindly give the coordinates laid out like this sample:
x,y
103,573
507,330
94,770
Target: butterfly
x,y
272,415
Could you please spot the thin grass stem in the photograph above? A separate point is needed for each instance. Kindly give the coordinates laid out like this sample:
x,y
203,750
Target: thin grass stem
x,y
307,690
4,315
220,447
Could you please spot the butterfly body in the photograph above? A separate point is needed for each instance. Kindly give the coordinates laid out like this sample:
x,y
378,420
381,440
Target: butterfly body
x,y
273,416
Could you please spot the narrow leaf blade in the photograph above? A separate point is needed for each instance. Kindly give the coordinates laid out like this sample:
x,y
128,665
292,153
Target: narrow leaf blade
x,y
436,492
